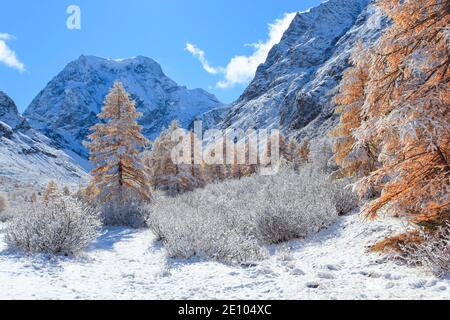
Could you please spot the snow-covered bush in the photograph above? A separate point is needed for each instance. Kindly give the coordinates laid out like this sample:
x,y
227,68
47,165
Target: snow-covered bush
x,y
433,252
321,160
192,224
345,199
3,203
4,213
230,221
293,205
61,226
321,154
130,214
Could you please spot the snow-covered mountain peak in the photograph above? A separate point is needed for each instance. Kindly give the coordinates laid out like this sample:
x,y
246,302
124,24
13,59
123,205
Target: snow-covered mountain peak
x,y
140,64
68,106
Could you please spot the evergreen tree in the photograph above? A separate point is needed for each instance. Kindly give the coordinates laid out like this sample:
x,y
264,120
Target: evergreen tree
x,y
396,106
51,192
407,112
174,178
115,150
355,157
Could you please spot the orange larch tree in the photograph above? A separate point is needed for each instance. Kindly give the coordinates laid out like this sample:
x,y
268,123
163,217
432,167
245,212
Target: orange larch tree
x,y
406,111
355,157
115,150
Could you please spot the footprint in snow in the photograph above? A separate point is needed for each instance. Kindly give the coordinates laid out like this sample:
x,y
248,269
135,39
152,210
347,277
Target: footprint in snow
x,y
312,285
325,275
333,267
297,272
421,283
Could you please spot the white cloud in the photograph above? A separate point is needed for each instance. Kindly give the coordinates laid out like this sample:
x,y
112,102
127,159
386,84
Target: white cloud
x,y
241,69
7,56
200,55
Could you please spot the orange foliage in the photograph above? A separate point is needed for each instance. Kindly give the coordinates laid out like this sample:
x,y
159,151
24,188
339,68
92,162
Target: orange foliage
x,y
396,243
404,113
51,192
352,157
115,150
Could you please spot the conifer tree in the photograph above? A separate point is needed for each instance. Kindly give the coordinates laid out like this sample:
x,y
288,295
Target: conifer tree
x,y
405,113
304,151
196,165
115,149
244,165
66,191
51,192
294,152
174,178
33,197
218,171
353,158
3,203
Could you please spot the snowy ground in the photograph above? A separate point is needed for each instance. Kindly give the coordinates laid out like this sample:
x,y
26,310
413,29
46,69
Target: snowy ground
x,y
126,264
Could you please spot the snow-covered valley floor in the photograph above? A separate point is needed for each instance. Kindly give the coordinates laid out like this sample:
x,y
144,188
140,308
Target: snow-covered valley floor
x,y
127,264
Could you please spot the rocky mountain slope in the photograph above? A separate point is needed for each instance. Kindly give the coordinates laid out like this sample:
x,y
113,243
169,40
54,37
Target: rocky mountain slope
x,y
27,155
67,107
293,89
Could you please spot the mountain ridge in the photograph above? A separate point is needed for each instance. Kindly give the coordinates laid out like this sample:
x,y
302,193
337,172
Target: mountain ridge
x,y
293,89
68,106
27,155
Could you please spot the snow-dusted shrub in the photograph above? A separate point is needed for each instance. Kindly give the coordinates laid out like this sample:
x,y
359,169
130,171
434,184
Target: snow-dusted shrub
x,y
321,154
345,199
294,205
190,227
3,203
230,221
130,214
62,226
433,252
5,214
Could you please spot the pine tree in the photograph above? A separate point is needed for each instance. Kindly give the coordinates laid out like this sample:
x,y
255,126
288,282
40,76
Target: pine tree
x,y
295,154
115,150
250,167
197,166
405,114
304,151
217,172
33,197
353,157
51,192
66,191
174,178
3,203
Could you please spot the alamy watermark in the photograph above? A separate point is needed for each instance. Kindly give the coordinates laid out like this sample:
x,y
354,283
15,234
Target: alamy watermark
x,y
73,22
259,147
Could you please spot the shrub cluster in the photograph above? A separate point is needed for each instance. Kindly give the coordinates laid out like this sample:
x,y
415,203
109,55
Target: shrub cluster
x,y
5,214
432,252
230,221
63,226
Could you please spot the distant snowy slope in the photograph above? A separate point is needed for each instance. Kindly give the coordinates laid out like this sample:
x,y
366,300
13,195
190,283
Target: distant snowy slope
x,y
26,155
293,89
68,106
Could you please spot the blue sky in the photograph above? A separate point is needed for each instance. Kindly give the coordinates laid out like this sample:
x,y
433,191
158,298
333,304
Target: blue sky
x,y
35,43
